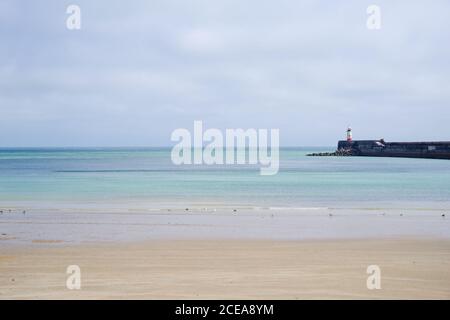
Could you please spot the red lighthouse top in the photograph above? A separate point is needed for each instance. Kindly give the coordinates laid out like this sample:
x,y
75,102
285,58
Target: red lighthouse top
x,y
349,134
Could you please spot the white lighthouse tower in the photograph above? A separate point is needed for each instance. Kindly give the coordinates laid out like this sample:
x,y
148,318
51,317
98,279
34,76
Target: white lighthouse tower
x,y
349,134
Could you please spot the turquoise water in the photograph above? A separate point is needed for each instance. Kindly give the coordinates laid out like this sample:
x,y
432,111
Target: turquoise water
x,y
148,175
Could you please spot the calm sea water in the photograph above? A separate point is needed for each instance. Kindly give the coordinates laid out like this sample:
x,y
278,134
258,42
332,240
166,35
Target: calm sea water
x,y
148,175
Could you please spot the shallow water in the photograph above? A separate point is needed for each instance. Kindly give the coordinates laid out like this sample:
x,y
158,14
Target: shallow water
x,y
134,177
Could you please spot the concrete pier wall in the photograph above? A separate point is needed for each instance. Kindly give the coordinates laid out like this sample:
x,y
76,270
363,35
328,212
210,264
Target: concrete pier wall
x,y
380,148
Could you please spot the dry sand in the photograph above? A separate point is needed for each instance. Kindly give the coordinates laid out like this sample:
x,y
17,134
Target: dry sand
x,y
229,269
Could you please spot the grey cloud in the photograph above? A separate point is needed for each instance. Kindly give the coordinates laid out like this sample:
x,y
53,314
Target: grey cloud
x,y
138,70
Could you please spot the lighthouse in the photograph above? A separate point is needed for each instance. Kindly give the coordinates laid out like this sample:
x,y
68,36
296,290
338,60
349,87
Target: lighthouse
x,y
349,134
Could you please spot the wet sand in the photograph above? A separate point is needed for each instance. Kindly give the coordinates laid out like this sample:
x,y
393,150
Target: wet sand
x,y
224,253
229,269
73,226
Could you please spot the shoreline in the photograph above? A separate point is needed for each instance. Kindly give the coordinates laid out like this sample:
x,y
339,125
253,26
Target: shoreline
x,y
34,227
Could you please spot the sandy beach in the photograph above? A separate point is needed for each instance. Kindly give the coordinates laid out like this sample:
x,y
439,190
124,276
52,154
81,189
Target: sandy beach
x,y
230,269
226,253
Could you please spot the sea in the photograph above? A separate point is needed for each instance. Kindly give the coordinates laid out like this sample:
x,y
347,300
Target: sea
x,y
147,176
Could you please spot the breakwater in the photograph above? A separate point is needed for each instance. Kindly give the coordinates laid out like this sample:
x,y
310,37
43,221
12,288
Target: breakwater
x,y
381,148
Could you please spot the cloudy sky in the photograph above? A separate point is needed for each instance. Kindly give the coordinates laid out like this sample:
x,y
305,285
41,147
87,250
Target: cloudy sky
x,y
137,70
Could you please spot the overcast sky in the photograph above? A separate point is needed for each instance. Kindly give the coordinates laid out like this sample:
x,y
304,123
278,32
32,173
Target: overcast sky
x,y
137,70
